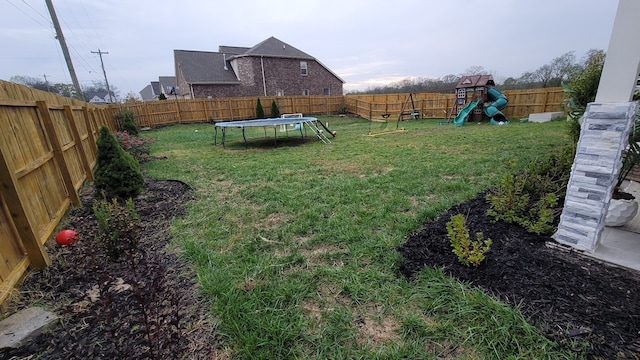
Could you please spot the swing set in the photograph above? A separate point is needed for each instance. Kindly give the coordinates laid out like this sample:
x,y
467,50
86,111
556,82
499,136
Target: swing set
x,y
412,113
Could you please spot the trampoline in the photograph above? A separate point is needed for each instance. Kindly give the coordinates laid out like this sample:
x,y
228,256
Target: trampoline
x,y
300,122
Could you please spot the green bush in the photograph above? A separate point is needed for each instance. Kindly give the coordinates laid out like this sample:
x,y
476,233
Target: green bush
x,y
275,112
259,110
469,252
126,122
118,227
117,173
531,197
585,84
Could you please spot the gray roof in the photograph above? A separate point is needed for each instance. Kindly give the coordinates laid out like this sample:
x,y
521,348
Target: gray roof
x,y
155,86
167,80
232,50
273,47
204,67
147,93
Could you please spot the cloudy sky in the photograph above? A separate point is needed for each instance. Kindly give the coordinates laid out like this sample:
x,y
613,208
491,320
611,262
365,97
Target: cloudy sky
x,y
366,42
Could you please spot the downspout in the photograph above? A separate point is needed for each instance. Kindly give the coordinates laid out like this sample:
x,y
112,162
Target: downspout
x,y
264,81
191,90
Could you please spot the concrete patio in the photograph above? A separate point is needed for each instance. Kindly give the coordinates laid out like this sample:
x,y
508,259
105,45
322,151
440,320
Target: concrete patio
x,y
621,245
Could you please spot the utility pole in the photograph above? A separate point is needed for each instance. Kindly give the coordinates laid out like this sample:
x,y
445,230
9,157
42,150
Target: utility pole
x,y
104,72
65,51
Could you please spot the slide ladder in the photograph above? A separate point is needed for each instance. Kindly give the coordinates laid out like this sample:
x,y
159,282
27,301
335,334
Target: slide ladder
x,y
318,132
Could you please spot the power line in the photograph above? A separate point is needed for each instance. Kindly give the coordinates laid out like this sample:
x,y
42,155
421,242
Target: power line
x,y
38,12
48,26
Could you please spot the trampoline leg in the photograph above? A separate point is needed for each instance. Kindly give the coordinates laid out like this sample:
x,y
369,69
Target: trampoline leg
x,y
275,136
245,138
224,136
215,137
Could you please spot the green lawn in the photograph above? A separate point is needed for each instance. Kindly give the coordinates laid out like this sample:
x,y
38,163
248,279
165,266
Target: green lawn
x,y
294,245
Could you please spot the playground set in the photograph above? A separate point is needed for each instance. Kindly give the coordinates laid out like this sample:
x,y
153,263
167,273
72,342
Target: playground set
x,y
412,113
478,99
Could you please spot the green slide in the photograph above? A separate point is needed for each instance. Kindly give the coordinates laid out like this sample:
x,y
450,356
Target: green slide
x,y
462,115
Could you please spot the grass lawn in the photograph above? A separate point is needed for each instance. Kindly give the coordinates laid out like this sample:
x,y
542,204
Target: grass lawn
x,y
295,245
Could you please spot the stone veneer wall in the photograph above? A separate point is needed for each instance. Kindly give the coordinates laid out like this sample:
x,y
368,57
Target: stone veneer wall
x,y
603,137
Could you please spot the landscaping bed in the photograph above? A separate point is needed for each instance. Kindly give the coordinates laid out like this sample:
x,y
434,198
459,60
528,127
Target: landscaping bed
x,y
583,304
111,310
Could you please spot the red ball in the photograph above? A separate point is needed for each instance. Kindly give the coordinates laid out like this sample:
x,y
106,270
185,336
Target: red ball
x,y
335,133
66,237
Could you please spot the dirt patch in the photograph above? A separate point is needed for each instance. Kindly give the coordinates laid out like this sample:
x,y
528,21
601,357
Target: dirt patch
x,y
108,310
572,298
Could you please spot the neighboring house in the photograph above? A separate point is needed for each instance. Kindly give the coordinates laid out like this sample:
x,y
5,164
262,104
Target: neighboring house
x,y
99,97
151,91
167,85
270,68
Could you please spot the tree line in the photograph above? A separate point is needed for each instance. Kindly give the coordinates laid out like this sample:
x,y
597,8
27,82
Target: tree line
x,y
62,89
562,69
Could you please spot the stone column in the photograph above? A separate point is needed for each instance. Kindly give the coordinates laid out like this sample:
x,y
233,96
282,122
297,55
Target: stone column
x,y
603,137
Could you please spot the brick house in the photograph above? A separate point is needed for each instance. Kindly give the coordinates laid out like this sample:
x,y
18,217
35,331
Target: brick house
x,y
270,68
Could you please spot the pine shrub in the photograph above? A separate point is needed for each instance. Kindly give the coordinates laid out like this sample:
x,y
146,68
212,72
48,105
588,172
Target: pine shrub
x,y
126,122
275,112
117,173
259,110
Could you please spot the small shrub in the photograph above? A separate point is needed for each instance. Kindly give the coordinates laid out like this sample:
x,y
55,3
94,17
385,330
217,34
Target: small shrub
x,y
118,227
126,122
275,112
138,147
259,110
530,198
117,173
162,97
469,252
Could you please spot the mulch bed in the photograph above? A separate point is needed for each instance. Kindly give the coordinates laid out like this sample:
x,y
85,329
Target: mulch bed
x,y
571,297
113,310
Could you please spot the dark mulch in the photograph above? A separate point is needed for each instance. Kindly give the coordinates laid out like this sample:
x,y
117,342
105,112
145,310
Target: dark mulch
x,y
571,297
116,310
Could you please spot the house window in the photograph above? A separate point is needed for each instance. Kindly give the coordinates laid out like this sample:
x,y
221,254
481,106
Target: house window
x,y
326,91
461,93
279,92
305,92
303,68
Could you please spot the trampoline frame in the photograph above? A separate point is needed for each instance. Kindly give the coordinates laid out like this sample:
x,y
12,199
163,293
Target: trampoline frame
x,y
275,122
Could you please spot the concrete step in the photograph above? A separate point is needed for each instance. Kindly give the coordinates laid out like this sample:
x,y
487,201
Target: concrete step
x,y
18,328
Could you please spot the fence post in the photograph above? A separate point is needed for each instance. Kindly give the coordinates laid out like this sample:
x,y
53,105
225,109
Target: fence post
x,y
58,154
82,152
35,250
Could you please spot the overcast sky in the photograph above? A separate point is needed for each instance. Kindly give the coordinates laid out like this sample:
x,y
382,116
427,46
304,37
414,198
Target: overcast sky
x,y
367,43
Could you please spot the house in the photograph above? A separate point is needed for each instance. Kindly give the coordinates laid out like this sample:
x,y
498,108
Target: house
x,y
270,68
167,85
99,97
151,91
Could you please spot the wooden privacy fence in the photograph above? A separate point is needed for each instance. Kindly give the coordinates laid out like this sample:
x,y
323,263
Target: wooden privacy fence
x,y
47,151
437,106
166,112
